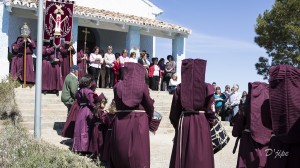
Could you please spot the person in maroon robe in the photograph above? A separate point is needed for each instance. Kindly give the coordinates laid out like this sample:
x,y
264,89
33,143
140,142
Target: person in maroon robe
x,y
284,148
47,51
192,116
99,128
69,126
66,52
254,132
52,79
130,144
84,118
17,66
81,63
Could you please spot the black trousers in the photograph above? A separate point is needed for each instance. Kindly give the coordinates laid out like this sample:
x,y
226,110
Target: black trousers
x,y
95,73
121,73
154,81
109,77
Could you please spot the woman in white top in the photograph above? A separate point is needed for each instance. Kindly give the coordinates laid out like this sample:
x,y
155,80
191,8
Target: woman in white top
x,y
109,58
95,63
123,59
132,57
173,84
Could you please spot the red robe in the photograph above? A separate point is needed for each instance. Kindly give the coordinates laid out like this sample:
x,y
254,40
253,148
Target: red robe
x,y
196,146
255,140
65,65
81,65
130,144
17,66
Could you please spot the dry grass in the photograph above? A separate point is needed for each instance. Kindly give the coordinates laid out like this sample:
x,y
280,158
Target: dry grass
x,y
8,106
18,149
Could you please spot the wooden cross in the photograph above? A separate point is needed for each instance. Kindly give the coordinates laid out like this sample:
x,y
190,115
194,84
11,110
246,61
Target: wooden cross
x,y
86,32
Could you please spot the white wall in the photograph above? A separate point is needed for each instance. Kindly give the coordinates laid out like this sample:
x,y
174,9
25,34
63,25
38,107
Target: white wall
x,y
4,27
132,7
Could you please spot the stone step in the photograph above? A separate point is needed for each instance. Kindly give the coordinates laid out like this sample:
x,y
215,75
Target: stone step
x,y
45,125
52,118
45,112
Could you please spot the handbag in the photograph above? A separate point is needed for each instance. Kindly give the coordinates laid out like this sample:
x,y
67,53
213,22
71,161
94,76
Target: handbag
x,y
169,74
219,137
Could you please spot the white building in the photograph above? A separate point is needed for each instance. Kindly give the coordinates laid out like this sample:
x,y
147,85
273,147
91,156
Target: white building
x,y
124,24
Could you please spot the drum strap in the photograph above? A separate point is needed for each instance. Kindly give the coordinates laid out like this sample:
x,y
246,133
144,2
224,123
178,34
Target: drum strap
x,y
236,144
180,130
237,141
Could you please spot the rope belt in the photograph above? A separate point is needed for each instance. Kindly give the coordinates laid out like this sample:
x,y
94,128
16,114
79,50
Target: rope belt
x,y
128,111
180,128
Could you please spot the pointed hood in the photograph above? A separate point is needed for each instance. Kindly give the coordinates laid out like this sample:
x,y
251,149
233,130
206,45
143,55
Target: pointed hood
x,y
193,86
131,92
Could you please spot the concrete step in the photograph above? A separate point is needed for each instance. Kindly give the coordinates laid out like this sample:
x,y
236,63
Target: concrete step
x,y
44,112
52,118
45,125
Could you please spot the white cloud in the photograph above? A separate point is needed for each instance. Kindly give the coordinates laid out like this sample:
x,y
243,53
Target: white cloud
x,y
199,43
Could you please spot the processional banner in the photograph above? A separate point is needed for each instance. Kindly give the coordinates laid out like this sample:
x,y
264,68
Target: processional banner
x,y
58,21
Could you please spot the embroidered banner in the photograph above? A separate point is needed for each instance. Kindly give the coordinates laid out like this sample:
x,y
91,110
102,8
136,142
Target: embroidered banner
x,y
58,21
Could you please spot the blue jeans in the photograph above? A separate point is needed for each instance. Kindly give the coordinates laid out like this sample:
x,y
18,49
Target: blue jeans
x,y
233,112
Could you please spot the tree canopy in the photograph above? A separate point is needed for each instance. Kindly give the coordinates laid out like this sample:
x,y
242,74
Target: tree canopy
x,y
278,31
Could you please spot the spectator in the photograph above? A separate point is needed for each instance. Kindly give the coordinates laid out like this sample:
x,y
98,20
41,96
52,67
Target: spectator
x,y
109,58
143,61
132,57
70,87
95,63
117,68
233,103
161,64
173,84
154,74
220,99
227,91
170,69
102,72
214,85
122,60
244,97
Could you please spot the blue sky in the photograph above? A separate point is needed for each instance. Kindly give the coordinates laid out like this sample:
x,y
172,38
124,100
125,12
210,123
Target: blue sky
x,y
222,33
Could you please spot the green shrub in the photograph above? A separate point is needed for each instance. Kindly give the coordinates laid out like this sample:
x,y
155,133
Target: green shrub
x,y
8,105
18,149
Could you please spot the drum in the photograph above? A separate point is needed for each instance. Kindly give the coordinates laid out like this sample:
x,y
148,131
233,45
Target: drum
x,y
219,137
155,121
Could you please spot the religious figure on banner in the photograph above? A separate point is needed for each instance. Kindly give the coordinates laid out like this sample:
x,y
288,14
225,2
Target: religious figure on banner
x,y
58,21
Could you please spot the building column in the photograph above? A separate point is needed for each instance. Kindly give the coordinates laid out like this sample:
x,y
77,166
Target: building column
x,y
133,40
4,27
75,38
178,53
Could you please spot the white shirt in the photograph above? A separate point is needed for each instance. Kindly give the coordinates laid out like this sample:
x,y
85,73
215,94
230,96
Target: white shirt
x,y
173,82
234,98
109,59
156,70
123,60
133,60
98,58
